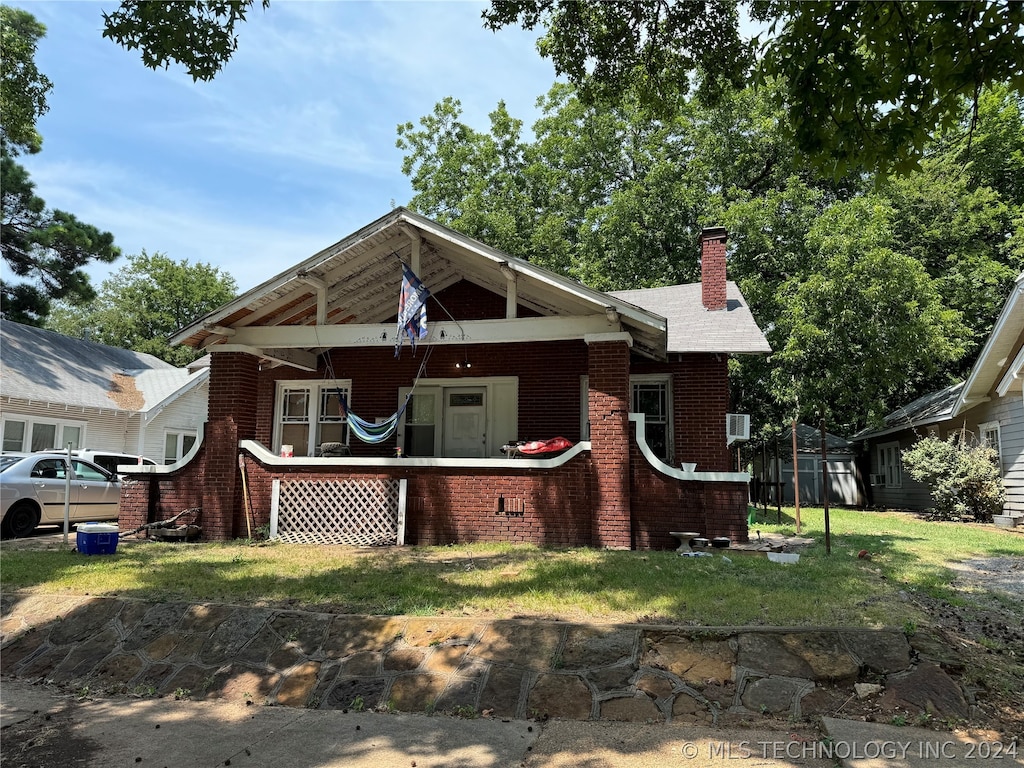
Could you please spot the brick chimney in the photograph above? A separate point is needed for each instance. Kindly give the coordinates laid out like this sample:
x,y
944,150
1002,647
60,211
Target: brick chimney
x,y
712,267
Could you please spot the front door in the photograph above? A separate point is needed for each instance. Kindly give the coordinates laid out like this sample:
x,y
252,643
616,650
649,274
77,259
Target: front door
x,y
465,422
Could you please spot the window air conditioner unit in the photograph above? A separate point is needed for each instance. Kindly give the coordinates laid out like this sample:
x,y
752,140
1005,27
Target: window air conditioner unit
x,y
878,479
737,427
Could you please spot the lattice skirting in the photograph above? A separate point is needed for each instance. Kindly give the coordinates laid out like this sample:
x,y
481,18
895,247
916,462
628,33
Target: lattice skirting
x,y
362,513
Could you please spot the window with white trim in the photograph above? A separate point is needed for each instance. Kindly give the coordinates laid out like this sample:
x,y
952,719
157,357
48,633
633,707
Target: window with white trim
x,y
650,396
26,434
890,464
177,443
988,435
309,414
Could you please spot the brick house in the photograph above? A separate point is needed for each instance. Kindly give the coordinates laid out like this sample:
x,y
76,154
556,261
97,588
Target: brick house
x,y
637,380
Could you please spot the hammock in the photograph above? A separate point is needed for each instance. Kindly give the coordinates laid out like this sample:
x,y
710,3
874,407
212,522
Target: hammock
x,y
369,431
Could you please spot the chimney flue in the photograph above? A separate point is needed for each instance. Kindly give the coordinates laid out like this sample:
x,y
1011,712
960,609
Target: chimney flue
x,y
712,267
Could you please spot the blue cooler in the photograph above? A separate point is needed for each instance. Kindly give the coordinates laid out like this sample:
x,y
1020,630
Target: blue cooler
x,y
96,538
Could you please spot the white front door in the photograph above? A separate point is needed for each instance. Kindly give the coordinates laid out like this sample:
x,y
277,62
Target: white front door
x,y
465,422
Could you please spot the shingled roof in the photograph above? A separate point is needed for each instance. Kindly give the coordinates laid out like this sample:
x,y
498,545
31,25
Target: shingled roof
x,y
45,366
692,328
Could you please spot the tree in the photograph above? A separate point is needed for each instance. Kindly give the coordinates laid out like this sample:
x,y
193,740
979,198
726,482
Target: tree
x,y
143,303
45,249
865,84
23,88
199,34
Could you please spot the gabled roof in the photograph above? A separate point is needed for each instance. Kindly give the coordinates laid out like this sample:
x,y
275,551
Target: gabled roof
x,y
49,367
927,409
692,328
999,365
357,281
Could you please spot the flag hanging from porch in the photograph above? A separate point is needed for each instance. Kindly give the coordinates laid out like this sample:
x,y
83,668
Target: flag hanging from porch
x,y
412,310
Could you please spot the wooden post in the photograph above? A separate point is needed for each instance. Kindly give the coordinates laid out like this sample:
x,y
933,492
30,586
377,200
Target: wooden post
x,y
777,469
796,481
824,483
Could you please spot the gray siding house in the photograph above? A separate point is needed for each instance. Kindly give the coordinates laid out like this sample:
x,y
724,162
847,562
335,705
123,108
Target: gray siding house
x,y
988,408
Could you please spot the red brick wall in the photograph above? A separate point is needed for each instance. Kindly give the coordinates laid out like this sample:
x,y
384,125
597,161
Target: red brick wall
x,y
445,506
549,384
150,498
609,437
233,393
712,268
662,504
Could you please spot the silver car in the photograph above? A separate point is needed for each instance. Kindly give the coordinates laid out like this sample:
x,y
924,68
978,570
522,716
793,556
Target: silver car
x,y
33,487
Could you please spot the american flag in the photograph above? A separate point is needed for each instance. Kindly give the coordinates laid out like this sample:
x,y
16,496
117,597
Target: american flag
x,y
412,310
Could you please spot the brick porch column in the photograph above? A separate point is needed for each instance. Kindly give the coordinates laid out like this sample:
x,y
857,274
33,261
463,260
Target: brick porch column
x,y
608,372
233,377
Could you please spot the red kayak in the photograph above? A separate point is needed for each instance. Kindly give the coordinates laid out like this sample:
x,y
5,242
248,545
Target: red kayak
x,y
537,447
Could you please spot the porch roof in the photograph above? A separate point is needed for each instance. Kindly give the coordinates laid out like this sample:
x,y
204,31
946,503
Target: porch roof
x,y
350,290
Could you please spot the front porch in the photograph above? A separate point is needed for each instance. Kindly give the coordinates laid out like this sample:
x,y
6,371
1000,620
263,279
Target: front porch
x,y
547,502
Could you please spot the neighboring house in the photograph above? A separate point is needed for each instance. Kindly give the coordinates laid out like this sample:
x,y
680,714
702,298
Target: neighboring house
x,y
56,390
636,380
772,469
987,408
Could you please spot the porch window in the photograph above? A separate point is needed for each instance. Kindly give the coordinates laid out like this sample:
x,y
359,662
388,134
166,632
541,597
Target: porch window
x,y
650,396
310,414
890,464
989,436
421,424
177,444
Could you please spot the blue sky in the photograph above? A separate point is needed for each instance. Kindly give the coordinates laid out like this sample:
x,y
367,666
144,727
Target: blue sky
x,y
290,148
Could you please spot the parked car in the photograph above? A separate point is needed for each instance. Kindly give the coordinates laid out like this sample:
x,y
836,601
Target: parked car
x,y
110,460
33,487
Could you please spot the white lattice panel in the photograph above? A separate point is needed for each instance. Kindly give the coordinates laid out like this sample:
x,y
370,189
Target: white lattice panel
x,y
362,513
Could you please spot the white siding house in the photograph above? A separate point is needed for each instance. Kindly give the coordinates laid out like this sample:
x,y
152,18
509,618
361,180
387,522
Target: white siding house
x,y
56,390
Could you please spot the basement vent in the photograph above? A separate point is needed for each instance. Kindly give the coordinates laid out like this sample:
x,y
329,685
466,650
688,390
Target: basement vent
x,y
737,427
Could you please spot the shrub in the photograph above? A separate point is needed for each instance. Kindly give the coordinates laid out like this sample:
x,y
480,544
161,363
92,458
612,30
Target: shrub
x,y
963,479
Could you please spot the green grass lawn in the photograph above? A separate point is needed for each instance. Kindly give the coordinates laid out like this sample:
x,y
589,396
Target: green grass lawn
x,y
503,580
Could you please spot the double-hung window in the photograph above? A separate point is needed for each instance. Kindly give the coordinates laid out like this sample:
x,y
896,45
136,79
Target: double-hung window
x,y
650,396
309,414
890,464
989,437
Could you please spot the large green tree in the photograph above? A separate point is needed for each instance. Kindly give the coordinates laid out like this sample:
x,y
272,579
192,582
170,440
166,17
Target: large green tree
x,y
866,84
616,196
45,249
143,303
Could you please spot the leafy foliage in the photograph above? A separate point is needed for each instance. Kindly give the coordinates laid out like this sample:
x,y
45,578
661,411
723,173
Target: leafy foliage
x,y
894,284
198,34
964,479
146,301
23,88
865,85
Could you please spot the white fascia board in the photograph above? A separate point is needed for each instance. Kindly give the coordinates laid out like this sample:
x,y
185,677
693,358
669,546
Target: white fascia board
x,y
1012,374
1005,318
446,333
